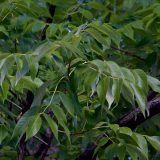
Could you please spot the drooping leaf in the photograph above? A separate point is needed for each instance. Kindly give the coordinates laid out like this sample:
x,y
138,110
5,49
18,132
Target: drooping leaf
x,y
34,124
40,94
125,130
109,96
67,102
52,124
154,83
98,37
141,141
20,73
102,89
59,113
3,133
140,98
154,141
21,125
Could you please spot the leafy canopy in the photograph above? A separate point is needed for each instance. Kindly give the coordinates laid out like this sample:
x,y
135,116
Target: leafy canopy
x,y
98,61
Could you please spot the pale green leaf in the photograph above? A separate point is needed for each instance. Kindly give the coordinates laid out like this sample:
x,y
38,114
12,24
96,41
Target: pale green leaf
x,y
154,83
102,88
125,130
154,141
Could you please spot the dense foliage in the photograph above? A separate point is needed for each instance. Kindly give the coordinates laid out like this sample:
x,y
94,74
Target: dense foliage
x,y
71,70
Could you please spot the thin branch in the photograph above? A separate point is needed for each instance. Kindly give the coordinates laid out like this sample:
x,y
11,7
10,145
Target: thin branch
x,y
41,140
43,148
127,53
16,105
131,120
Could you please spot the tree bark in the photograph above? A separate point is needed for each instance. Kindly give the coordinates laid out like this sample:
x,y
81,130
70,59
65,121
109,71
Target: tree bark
x,y
131,120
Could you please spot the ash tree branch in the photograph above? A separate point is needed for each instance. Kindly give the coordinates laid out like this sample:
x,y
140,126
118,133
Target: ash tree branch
x,y
48,136
131,120
127,53
26,104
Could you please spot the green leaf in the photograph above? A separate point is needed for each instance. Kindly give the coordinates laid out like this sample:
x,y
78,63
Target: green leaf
x,y
21,125
87,14
109,96
127,30
67,102
137,24
3,30
142,143
5,89
108,31
61,117
141,79
132,152
51,30
96,5
140,98
102,88
125,130
40,94
20,73
38,26
59,113
3,133
78,53
101,143
128,92
66,131
115,70
114,127
154,83
34,125
26,82
95,34
127,75
60,65
116,89
154,141
8,62
100,65
52,124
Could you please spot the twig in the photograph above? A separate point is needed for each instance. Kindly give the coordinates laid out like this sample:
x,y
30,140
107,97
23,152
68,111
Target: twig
x,y
41,140
127,53
128,121
14,104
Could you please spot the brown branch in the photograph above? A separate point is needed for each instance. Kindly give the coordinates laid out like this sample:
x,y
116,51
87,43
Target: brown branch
x,y
135,118
22,145
48,136
43,148
131,120
26,104
127,53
